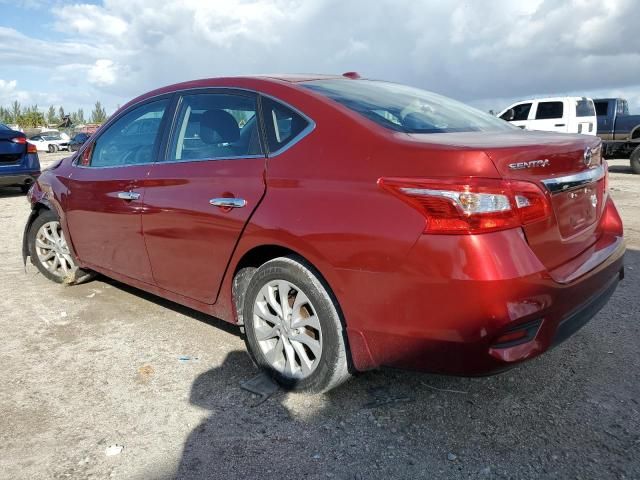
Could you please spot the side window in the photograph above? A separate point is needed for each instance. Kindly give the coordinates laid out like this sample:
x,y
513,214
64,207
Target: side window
x,y
130,139
521,112
623,107
549,110
601,108
282,123
215,125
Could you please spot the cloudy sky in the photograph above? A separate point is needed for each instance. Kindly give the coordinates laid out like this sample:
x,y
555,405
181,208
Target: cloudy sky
x,y
486,53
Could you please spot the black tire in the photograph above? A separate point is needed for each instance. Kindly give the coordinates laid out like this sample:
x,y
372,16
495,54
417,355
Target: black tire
x,y
77,276
331,367
51,148
635,161
25,188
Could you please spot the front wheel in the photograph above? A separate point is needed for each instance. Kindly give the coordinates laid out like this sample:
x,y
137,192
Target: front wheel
x,y
50,253
635,160
293,329
51,148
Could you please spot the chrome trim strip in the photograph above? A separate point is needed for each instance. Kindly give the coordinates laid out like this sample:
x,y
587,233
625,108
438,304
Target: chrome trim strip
x,y
577,180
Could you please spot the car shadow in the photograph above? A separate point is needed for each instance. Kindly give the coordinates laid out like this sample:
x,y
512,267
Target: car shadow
x,y
620,169
536,421
176,307
8,192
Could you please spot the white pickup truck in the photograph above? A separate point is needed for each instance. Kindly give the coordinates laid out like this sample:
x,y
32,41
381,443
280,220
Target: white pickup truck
x,y
556,114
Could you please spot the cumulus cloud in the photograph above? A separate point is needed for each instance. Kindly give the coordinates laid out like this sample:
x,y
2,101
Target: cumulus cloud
x,y
481,52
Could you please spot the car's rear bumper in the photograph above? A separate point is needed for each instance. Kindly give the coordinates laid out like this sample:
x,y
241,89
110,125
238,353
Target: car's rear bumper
x,y
446,308
16,179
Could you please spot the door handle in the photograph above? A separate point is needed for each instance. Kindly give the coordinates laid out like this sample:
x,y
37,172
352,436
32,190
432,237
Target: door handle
x,y
128,195
559,125
228,202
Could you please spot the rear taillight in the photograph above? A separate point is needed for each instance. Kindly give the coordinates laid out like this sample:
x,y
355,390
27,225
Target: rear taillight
x,y
20,140
31,148
470,205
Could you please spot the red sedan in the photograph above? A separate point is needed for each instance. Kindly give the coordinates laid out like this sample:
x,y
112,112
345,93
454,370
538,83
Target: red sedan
x,y
345,223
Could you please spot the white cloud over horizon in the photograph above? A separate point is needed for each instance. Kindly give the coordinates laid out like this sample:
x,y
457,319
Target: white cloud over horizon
x,y
484,53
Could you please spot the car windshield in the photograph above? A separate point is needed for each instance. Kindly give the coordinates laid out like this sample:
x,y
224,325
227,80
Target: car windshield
x,y
406,109
51,136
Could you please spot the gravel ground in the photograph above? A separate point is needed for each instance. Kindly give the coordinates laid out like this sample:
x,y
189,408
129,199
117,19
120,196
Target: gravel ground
x,y
90,366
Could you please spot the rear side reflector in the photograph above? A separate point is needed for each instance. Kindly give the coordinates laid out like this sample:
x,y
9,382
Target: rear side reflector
x,y
517,335
470,205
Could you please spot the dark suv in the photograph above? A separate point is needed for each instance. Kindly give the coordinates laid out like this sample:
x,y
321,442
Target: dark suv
x,y
19,163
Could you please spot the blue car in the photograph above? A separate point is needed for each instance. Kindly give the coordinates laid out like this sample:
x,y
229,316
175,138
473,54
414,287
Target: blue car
x,y
19,162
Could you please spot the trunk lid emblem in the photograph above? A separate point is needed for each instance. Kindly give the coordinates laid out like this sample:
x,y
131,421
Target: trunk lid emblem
x,y
531,164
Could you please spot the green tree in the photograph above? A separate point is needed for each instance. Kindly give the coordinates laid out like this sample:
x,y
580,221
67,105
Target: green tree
x,y
5,115
99,114
31,117
80,116
15,111
51,115
60,113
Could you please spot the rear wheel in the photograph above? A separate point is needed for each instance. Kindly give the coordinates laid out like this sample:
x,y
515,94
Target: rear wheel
x,y
50,253
635,160
293,329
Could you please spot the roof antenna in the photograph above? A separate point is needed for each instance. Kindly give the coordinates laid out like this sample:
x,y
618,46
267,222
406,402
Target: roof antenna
x,y
352,75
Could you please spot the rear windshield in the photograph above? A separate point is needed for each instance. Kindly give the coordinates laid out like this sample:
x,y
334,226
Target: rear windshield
x,y
4,127
406,109
585,108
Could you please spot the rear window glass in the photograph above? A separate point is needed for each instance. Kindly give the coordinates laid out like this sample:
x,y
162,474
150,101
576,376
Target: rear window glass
x,y
283,124
549,110
406,109
4,127
601,108
585,108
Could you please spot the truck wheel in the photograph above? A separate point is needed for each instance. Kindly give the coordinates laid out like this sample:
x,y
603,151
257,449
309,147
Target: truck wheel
x,y
635,161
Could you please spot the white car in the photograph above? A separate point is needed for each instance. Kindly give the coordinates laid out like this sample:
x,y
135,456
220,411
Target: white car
x,y
555,114
49,142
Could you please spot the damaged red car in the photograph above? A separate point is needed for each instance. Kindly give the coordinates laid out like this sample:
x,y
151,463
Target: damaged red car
x,y
345,224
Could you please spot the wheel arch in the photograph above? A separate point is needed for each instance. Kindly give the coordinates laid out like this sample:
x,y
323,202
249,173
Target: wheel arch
x,y
258,255
635,133
37,207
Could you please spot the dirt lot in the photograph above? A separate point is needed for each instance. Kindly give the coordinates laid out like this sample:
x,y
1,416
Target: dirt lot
x,y
86,367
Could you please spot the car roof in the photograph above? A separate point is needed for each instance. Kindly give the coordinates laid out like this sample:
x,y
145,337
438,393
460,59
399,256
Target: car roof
x,y
241,81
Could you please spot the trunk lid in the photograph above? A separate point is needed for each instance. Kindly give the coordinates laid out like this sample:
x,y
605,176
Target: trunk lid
x,y
555,162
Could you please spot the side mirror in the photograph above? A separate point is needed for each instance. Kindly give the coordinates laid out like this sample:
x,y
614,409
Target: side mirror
x,y
509,115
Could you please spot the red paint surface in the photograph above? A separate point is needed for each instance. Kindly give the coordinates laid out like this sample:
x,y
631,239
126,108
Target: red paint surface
x,y
431,302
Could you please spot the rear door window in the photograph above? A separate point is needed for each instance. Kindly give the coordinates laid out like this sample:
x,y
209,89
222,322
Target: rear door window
x,y
283,125
601,108
549,110
213,126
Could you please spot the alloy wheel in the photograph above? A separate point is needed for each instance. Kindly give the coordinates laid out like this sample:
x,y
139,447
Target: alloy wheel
x,y
52,250
287,329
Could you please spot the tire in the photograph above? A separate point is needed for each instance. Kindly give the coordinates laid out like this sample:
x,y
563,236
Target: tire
x,y
635,161
49,251
25,188
51,148
309,354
